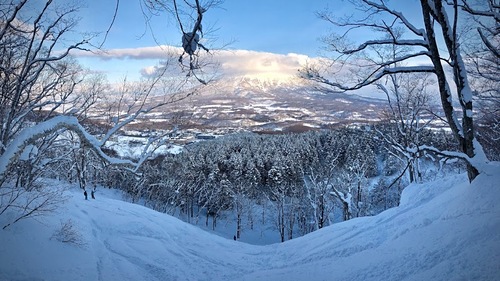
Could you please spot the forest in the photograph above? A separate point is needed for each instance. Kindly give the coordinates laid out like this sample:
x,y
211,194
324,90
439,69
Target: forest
x,y
297,183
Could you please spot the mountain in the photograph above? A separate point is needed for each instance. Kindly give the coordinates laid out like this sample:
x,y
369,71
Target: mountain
x,y
269,103
443,230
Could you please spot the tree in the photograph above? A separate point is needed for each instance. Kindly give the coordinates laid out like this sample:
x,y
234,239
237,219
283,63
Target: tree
x,y
483,63
422,43
318,185
37,78
410,113
38,95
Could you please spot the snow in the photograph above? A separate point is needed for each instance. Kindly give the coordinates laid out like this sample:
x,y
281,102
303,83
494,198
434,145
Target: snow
x,y
132,147
29,134
443,230
29,152
17,146
469,113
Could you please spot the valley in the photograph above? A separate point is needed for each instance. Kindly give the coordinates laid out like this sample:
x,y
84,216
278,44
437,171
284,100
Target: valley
x,y
264,106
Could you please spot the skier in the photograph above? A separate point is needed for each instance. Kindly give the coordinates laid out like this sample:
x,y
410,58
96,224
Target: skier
x,y
92,194
85,193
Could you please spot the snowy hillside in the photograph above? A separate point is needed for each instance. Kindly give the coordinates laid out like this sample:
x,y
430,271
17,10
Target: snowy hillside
x,y
445,230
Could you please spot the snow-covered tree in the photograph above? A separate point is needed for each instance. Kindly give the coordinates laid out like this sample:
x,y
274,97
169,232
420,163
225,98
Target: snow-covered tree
x,y
444,57
39,82
410,112
37,79
318,185
483,63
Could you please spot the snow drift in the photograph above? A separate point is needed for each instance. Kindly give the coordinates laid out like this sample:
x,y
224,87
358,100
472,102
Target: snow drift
x,y
444,230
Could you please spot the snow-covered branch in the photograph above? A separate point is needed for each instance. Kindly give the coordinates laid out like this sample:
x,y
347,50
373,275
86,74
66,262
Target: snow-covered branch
x,y
380,72
437,16
29,135
479,161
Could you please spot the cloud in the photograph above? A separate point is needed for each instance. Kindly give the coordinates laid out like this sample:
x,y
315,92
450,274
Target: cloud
x,y
224,62
141,53
149,70
243,62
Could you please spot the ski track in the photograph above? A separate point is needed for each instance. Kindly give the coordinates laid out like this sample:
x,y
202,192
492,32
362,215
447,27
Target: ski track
x,y
254,262
419,240
147,231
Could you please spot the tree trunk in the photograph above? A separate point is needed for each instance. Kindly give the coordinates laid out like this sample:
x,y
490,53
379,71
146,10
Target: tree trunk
x,y
281,223
464,132
238,225
214,221
320,222
411,171
345,205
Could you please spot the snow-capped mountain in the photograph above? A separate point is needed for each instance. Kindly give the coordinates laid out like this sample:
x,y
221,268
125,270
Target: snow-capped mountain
x,y
271,102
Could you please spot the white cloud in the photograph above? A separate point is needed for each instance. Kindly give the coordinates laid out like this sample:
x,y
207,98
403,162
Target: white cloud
x,y
155,52
232,62
149,70
243,62
145,61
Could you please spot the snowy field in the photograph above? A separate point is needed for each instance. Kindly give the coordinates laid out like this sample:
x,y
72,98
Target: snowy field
x,y
444,230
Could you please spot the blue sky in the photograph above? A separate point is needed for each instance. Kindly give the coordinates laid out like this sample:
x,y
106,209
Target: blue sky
x,y
262,26
277,26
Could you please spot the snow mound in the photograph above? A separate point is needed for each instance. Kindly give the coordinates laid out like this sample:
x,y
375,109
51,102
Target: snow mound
x,y
444,230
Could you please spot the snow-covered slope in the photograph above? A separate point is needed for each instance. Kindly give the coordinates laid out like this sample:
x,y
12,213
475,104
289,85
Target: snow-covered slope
x,y
445,230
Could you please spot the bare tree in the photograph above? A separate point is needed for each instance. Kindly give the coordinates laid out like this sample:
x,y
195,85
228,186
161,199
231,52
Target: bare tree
x,y
483,62
409,108
39,86
33,75
421,43
410,113
37,77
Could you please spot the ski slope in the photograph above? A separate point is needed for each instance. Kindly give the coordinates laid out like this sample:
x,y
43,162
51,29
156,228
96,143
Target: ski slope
x,y
444,230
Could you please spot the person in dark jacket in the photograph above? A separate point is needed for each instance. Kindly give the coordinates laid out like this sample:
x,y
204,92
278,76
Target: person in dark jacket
x,y
85,193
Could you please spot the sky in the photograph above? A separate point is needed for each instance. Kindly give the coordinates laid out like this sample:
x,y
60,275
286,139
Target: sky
x,y
278,31
262,27
278,26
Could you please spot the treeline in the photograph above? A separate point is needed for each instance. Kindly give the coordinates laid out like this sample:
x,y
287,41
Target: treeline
x,y
297,182
307,181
